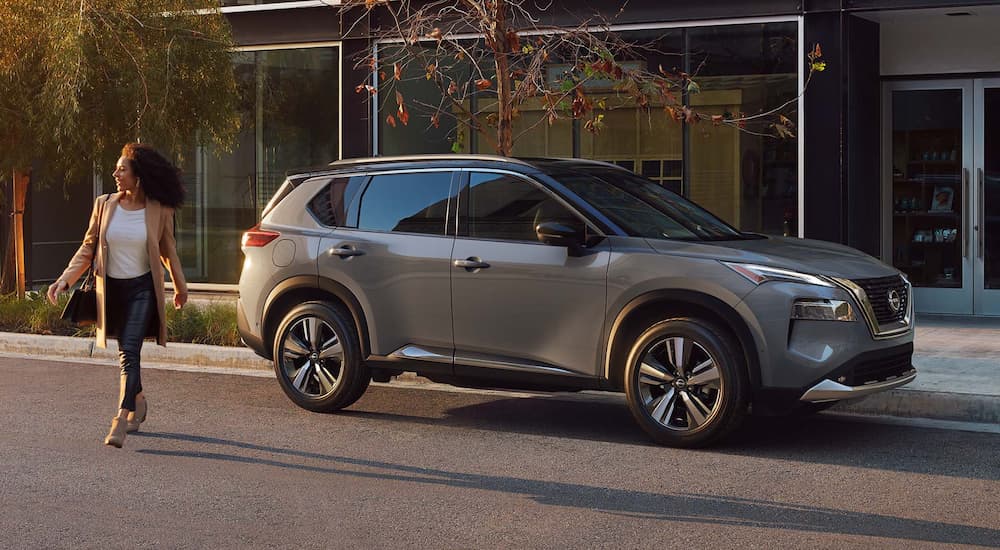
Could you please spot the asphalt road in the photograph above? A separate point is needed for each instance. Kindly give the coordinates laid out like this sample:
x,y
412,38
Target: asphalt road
x,y
227,461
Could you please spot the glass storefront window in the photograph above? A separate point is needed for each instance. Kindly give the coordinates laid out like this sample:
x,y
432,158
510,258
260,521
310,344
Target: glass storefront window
x,y
290,119
749,180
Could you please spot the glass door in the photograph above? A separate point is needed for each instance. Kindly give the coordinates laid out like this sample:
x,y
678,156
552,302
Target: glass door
x,y
986,191
929,155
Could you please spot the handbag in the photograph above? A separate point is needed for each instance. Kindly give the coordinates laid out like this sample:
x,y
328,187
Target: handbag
x,y
82,305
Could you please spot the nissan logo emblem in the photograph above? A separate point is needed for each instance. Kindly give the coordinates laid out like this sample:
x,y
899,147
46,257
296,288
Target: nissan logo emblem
x,y
895,302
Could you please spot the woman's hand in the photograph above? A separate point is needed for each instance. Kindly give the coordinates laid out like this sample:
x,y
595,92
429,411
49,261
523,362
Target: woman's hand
x,y
55,289
180,298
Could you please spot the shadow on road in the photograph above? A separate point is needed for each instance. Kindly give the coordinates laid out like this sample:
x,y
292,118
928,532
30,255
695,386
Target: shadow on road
x,y
821,438
706,509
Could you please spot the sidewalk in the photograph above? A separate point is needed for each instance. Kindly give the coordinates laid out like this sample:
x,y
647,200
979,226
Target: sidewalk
x,y
957,361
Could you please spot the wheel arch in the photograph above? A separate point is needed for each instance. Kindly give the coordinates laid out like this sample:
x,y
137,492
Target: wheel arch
x,y
307,288
644,310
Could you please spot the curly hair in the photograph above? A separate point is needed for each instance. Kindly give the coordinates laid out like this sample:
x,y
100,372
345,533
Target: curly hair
x,y
159,178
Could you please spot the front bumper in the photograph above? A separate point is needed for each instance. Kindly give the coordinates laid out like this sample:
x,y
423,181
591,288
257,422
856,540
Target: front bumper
x,y
828,390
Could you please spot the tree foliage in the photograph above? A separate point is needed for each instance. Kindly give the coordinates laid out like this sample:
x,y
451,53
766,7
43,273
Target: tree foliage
x,y
500,49
78,78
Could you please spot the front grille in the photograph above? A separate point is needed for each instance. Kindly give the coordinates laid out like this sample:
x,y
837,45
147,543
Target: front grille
x,y
878,370
878,291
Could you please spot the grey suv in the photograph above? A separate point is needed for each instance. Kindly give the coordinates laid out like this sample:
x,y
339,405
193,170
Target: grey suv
x,y
557,274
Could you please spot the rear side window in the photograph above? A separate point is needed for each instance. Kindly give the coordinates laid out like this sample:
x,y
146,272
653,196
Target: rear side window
x,y
407,203
331,204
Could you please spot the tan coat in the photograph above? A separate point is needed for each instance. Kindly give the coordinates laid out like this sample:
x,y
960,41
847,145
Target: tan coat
x,y
160,244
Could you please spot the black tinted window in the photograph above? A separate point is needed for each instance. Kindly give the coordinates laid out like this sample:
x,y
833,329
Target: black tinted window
x,y
505,207
409,203
330,205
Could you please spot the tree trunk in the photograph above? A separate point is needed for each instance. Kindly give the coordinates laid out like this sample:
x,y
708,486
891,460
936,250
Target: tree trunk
x,y
505,110
7,268
20,186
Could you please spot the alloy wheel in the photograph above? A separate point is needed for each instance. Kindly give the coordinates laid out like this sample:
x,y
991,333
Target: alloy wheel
x,y
680,383
312,357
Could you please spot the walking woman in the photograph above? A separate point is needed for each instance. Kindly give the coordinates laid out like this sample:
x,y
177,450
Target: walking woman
x,y
131,232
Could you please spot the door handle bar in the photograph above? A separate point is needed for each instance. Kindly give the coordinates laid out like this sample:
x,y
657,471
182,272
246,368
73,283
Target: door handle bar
x,y
471,263
981,220
346,252
966,205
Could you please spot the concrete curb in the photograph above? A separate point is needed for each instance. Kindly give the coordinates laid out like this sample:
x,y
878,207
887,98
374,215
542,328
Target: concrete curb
x,y
68,347
906,402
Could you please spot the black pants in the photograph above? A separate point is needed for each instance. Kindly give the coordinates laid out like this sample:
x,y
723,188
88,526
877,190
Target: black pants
x,y
130,310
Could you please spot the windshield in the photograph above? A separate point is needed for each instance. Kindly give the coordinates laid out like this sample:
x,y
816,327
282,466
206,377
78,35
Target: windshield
x,y
645,209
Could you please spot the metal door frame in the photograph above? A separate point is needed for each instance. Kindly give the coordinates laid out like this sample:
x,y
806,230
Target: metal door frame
x,y
955,301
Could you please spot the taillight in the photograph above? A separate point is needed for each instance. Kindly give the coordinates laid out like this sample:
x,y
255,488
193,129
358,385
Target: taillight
x,y
257,237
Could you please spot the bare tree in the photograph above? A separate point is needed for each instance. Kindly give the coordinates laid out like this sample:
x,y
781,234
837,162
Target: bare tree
x,y
501,50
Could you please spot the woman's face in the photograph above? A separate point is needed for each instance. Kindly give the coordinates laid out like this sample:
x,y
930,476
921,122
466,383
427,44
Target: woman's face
x,y
124,176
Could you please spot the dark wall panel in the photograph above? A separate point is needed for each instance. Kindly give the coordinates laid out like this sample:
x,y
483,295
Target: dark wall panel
x,y
824,102
863,171
285,26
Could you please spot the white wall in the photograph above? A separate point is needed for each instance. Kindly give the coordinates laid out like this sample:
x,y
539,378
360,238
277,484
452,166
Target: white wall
x,y
930,42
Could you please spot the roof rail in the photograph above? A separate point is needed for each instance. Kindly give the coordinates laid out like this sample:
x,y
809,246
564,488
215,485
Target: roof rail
x,y
418,158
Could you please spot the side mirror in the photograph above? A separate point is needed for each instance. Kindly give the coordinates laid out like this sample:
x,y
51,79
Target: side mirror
x,y
559,234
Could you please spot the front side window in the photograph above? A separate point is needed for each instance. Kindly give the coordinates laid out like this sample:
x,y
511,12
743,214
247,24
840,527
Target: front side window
x,y
645,209
406,203
508,208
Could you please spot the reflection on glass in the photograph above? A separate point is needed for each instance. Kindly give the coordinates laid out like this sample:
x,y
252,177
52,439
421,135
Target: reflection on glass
x,y
290,113
927,194
991,188
748,180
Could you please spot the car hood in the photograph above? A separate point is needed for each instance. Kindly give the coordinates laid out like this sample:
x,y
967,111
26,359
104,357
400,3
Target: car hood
x,y
804,255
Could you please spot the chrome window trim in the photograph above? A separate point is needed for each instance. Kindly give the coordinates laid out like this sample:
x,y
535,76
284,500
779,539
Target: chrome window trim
x,y
861,297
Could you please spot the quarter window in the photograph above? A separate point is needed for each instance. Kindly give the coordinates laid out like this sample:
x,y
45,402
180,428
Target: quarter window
x,y
330,206
406,203
505,207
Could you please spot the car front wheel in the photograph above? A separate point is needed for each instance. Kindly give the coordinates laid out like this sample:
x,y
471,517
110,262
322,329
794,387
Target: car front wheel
x,y
317,358
684,383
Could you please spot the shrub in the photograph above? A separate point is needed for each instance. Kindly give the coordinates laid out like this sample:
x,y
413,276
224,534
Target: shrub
x,y
199,323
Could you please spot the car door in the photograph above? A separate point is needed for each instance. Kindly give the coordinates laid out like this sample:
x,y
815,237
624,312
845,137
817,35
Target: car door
x,y
395,257
521,305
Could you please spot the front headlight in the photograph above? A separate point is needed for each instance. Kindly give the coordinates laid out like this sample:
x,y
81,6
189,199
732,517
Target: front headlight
x,y
759,274
821,309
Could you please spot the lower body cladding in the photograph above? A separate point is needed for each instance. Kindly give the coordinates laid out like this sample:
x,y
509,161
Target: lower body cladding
x,y
812,355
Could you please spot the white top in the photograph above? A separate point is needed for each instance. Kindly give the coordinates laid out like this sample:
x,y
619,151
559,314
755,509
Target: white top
x,y
126,239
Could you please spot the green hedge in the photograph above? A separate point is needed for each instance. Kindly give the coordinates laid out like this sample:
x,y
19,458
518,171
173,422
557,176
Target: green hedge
x,y
199,323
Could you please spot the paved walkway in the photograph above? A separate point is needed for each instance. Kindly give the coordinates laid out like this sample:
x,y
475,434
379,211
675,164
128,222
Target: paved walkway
x,y
958,374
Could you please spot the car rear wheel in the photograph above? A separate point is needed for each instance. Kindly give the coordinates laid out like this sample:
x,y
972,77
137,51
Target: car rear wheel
x,y
684,383
317,359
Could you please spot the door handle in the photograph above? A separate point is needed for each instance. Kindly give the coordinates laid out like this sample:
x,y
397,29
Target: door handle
x,y
471,263
966,204
346,252
981,215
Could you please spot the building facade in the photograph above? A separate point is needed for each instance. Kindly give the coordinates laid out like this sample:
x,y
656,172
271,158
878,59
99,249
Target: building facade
x,y
896,153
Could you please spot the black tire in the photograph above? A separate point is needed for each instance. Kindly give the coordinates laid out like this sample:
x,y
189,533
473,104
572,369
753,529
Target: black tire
x,y
693,404
317,358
